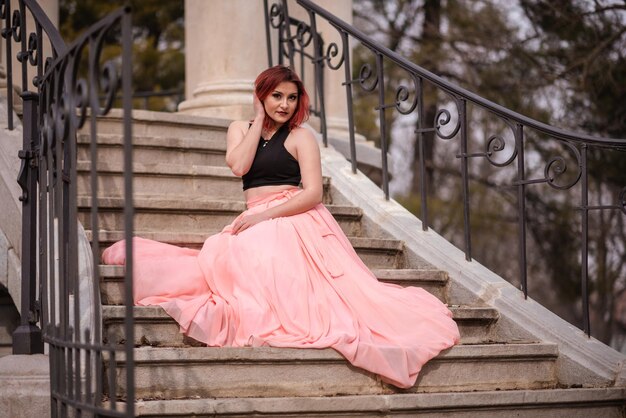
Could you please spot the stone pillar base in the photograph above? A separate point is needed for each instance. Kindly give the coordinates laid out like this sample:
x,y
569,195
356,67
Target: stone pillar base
x,y
25,388
222,59
230,99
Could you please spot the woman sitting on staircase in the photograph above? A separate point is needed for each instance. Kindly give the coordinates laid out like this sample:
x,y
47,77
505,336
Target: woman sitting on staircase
x,y
283,274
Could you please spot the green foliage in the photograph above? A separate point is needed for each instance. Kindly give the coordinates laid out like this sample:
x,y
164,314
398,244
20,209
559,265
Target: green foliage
x,y
158,36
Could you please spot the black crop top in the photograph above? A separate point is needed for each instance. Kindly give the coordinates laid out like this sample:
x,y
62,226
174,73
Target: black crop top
x,y
273,164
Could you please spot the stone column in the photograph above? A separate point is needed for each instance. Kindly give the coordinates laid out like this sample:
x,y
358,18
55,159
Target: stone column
x,y
225,50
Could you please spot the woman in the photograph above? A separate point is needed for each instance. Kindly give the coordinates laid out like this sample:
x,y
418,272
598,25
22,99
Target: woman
x,y
283,274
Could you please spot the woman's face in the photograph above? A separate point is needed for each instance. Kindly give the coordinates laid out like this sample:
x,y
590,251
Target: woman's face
x,y
281,103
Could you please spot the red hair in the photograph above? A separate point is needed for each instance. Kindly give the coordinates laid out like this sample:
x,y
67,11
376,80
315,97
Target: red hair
x,y
267,81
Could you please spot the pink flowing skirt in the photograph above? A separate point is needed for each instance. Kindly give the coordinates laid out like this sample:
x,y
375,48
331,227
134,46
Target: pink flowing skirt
x,y
291,282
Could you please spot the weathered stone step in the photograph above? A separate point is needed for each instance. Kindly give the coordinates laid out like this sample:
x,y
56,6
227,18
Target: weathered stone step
x,y
210,150
188,215
6,337
154,327
168,373
9,320
540,403
434,281
149,124
375,252
6,349
158,180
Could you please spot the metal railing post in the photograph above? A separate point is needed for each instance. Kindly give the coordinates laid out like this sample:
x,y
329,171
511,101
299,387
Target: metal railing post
x,y
584,267
27,338
129,324
521,207
465,180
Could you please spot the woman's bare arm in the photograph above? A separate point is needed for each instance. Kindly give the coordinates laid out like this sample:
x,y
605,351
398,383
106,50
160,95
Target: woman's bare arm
x,y
308,156
241,142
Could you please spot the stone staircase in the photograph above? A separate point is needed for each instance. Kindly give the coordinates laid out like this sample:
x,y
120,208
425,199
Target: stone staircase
x,y
183,193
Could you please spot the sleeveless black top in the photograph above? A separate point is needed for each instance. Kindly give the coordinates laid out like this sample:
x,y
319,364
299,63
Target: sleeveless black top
x,y
273,164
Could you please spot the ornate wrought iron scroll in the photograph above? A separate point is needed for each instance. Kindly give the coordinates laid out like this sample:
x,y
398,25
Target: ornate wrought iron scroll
x,y
296,43
70,89
564,170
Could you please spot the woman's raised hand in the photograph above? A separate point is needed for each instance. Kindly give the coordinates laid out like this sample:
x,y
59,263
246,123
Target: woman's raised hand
x,y
259,109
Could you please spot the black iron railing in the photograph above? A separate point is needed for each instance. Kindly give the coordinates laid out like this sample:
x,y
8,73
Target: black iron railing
x,y
71,88
294,38
300,41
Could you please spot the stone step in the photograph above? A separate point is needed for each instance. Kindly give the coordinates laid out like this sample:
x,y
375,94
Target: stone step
x,y
6,333
188,215
434,281
161,179
6,349
540,403
171,181
149,124
169,373
375,252
154,327
210,150
9,320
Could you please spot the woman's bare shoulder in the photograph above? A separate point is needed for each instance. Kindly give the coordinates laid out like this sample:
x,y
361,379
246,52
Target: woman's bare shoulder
x,y
303,133
304,141
237,130
239,124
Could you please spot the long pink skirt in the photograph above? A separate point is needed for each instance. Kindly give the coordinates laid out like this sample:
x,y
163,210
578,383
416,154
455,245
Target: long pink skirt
x,y
291,282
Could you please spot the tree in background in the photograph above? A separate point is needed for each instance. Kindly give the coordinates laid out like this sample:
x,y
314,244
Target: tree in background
x,y
472,44
583,49
558,62
158,55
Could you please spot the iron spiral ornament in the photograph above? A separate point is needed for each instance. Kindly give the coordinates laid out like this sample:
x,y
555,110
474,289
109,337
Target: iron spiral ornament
x,y
303,36
442,118
276,15
496,144
557,166
368,80
16,26
403,94
331,52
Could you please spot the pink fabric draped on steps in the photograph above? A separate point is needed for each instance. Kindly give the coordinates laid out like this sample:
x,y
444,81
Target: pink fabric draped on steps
x,y
291,282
